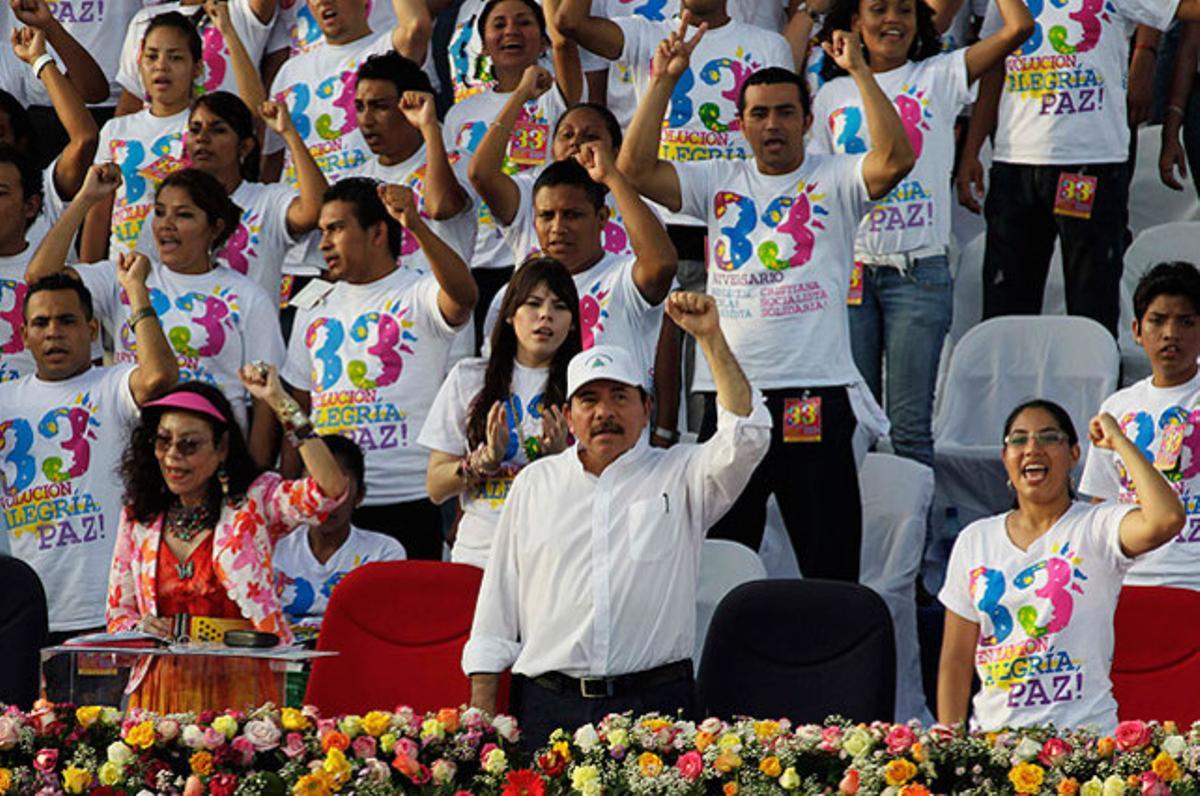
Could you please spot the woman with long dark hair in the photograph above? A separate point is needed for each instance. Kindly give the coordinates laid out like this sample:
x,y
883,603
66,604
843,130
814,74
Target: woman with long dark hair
x,y
1030,594
493,416
196,536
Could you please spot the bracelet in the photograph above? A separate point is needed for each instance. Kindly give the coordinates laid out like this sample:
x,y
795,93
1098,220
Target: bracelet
x,y
666,434
141,315
1175,109
477,464
505,127
297,435
1141,46
41,62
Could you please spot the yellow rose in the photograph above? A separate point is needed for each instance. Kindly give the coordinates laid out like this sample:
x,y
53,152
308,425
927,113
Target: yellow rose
x,y
730,789
727,761
1113,786
316,784
109,773
495,762
703,740
376,722
1027,777
5,780
899,771
918,752
770,766
351,725
654,725
226,725
88,715
650,764
583,777
141,735
201,763
857,742
789,780
387,741
766,729
1068,787
562,749
1166,767
76,780
1105,746
618,737
337,767
1170,728
1093,787
432,728
729,741
294,720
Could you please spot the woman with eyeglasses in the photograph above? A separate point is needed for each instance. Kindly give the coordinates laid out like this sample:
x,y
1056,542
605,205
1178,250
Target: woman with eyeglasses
x,y
1030,593
196,537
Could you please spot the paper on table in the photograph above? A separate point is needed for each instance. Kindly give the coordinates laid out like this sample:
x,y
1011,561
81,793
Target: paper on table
x,y
112,638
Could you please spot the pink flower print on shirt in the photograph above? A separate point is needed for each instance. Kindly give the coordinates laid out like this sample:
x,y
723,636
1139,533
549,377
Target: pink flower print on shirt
x,y
238,250
593,309
913,108
215,55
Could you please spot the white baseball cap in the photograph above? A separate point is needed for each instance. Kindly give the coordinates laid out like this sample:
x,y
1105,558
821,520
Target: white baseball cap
x,y
602,362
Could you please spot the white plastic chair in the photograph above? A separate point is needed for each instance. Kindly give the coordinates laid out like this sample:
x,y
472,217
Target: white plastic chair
x,y
1070,360
1150,202
1163,243
896,495
724,565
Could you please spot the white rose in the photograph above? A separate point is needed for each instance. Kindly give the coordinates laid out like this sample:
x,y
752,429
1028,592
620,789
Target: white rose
x,y
262,733
193,737
506,726
119,753
1174,745
586,738
1027,749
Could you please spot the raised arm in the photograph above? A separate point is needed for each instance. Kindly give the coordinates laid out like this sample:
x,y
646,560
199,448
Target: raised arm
x,y
458,292
444,197
1172,154
944,12
987,53
1160,515
305,209
82,133
81,69
414,27
696,314
891,155
568,68
798,33
98,187
597,34
486,169
656,263
970,181
157,370
1188,11
245,72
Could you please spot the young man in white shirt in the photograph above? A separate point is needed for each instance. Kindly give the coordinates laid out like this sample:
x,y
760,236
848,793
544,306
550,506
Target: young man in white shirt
x,y
368,354
590,591
64,428
781,232
1161,415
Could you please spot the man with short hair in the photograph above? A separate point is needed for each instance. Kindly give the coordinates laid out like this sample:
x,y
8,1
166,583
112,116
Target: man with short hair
x,y
369,352
590,592
1159,414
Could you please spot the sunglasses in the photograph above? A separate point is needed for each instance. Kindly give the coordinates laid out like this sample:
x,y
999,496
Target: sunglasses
x,y
185,446
1051,436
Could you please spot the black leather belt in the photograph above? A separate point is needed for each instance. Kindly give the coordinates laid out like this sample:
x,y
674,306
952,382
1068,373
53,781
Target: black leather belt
x,y
601,687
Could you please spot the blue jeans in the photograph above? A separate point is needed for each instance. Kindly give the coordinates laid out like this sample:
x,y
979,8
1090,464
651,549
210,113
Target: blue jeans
x,y
903,319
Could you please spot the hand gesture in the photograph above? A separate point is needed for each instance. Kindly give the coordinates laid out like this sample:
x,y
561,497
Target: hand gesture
x,y
262,382
218,12
34,13
674,53
535,81
276,115
419,109
845,49
1171,158
695,313
161,626
554,430
970,184
29,44
400,204
1104,431
132,269
100,182
497,437
597,158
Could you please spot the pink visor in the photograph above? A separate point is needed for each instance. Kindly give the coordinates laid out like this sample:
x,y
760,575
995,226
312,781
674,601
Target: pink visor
x,y
191,401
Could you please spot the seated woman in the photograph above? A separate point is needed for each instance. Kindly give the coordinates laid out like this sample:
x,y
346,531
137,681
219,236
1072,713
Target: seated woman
x,y
1030,594
197,532
493,416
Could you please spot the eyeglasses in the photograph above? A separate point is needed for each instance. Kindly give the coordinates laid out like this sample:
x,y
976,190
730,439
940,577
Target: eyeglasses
x,y
1051,436
186,446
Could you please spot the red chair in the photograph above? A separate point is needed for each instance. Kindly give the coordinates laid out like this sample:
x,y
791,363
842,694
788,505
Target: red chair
x,y
1156,659
399,628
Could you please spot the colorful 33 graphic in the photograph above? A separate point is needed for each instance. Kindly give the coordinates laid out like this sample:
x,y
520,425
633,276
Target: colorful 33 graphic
x,y
12,297
370,353
793,216
240,248
682,107
208,319
70,427
1143,429
1049,613
1089,17
593,309
846,124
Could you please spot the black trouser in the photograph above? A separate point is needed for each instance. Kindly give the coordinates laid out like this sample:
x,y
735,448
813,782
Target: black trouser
x,y
815,483
489,281
540,710
1022,227
416,524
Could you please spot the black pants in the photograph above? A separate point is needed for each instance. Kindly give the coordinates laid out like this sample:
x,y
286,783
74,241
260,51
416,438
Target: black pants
x,y
815,483
540,710
489,281
416,524
1022,227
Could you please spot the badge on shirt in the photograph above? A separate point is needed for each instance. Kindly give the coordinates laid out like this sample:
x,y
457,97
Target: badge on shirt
x,y
802,419
1076,195
285,290
1169,446
855,297
528,143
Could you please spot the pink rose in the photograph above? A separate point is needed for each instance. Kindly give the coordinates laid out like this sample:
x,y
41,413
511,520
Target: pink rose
x,y
849,783
407,747
213,738
46,760
1053,751
899,739
263,734
243,750
326,726
167,730
193,787
690,765
1152,785
364,747
1132,736
294,747
9,732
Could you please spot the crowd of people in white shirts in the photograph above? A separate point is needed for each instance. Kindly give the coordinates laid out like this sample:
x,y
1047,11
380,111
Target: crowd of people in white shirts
x,y
422,240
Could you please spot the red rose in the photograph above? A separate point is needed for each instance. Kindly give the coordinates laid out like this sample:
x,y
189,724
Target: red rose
x,y
552,764
222,785
153,769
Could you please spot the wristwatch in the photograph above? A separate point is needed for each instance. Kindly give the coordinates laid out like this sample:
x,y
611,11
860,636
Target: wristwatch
x,y
666,434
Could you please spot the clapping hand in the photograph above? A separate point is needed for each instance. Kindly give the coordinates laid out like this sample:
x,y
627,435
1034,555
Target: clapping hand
x,y
554,430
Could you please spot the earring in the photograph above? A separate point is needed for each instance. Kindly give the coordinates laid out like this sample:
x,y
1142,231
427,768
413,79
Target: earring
x,y
223,479
1008,483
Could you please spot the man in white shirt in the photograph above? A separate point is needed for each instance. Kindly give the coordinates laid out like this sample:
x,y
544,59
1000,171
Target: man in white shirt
x,y
1160,415
591,588
781,231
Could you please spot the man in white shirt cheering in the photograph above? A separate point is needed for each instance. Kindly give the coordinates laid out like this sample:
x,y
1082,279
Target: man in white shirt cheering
x,y
781,229
591,588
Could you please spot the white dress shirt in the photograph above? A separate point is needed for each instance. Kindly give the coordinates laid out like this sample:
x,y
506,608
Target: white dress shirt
x,y
596,576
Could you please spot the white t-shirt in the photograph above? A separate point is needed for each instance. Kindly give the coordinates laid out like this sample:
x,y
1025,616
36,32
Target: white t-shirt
x,y
52,207
296,29
99,27
216,322
305,584
466,124
59,489
928,96
1064,89
147,149
1045,616
781,251
521,234
1146,413
445,430
763,13
372,357
15,360
218,72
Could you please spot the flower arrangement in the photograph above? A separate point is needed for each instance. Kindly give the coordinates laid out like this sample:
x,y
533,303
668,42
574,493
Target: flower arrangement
x,y
60,749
